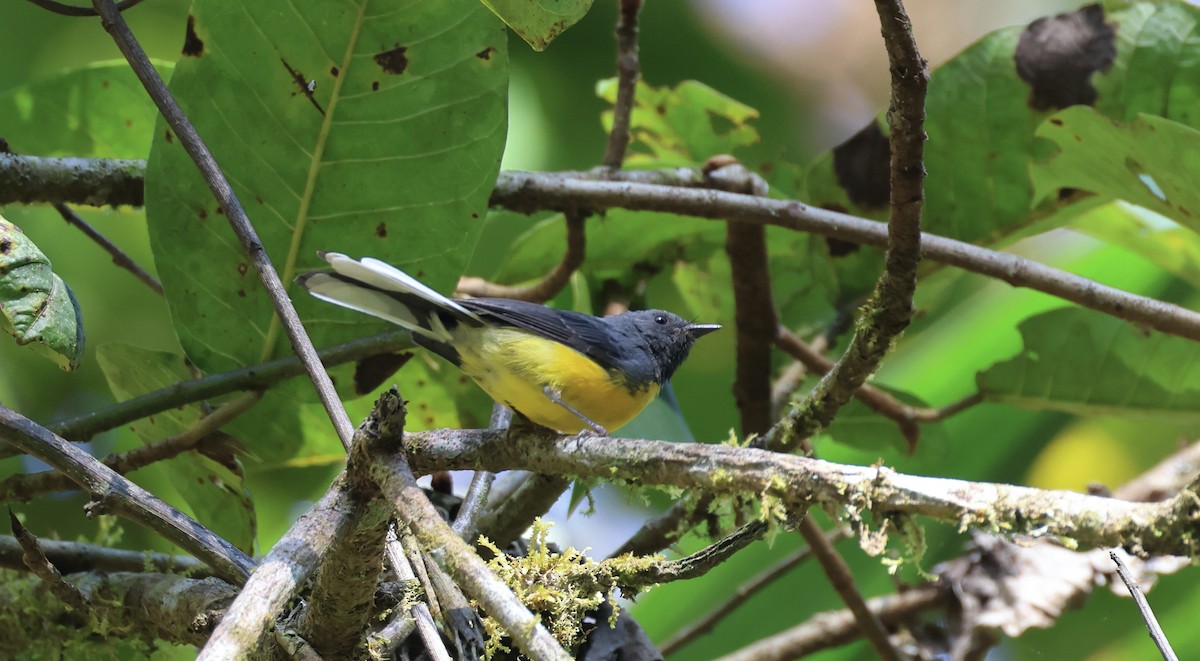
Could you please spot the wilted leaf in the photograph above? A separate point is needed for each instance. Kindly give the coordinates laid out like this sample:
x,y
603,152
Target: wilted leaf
x,y
36,306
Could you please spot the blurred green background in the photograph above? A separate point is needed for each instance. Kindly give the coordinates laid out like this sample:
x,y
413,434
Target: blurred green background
x,y
816,73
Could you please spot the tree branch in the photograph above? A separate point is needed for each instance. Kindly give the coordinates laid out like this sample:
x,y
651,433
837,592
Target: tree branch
x,y
552,283
27,486
36,561
91,181
117,494
140,605
1153,528
75,557
118,256
628,73
526,191
71,10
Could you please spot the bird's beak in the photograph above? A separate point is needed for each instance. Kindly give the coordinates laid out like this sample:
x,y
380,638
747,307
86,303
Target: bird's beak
x,y
700,330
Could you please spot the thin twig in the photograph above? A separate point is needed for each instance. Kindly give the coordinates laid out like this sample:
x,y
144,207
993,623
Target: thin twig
x,y
628,73
524,498
27,486
701,562
82,427
35,559
665,529
75,557
116,494
890,308
215,178
466,523
1143,606
71,10
550,284
741,595
118,256
902,414
423,622
830,629
842,579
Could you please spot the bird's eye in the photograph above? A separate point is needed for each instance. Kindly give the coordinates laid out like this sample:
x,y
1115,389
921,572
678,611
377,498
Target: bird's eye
x,y
660,319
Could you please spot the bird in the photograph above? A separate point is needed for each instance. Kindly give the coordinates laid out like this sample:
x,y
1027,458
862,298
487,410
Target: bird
x,y
564,370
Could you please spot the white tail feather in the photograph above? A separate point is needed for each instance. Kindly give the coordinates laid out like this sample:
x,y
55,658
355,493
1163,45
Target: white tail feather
x,y
374,273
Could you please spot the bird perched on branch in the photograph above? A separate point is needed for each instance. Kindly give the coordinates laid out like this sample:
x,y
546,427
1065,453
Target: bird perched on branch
x,y
563,370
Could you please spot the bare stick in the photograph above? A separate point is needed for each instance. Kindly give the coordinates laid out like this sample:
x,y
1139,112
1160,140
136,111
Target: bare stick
x,y
834,628
422,618
195,147
628,73
552,283
74,557
26,486
117,494
1143,606
466,524
71,10
741,595
35,559
118,256
531,191
94,182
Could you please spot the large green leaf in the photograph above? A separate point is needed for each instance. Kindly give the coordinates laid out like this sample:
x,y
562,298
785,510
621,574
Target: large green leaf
x,y
36,306
540,22
1083,362
1171,247
373,128
214,490
1151,161
99,110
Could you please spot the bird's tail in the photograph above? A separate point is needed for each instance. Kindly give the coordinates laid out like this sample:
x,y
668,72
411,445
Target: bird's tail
x,y
382,290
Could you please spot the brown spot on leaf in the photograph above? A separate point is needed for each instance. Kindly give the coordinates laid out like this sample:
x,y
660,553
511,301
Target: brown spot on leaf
x,y
104,84
202,213
304,87
168,136
192,46
333,71
474,216
372,371
862,167
393,61
220,211
1057,56
375,86
241,293
381,230
128,123
486,54
241,268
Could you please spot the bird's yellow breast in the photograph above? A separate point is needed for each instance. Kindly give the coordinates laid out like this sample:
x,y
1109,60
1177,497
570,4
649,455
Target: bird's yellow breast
x,y
514,367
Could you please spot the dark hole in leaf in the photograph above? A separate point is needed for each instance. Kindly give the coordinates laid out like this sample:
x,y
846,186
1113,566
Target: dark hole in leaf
x,y
393,61
1057,56
192,46
862,167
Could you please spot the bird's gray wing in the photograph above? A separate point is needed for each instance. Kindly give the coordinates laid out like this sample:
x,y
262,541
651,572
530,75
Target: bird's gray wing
x,y
584,333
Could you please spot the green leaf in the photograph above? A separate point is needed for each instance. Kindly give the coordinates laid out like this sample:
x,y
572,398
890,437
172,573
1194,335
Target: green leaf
x,y
1129,57
372,129
1173,248
100,110
539,23
1150,161
214,490
1091,364
36,306
683,126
